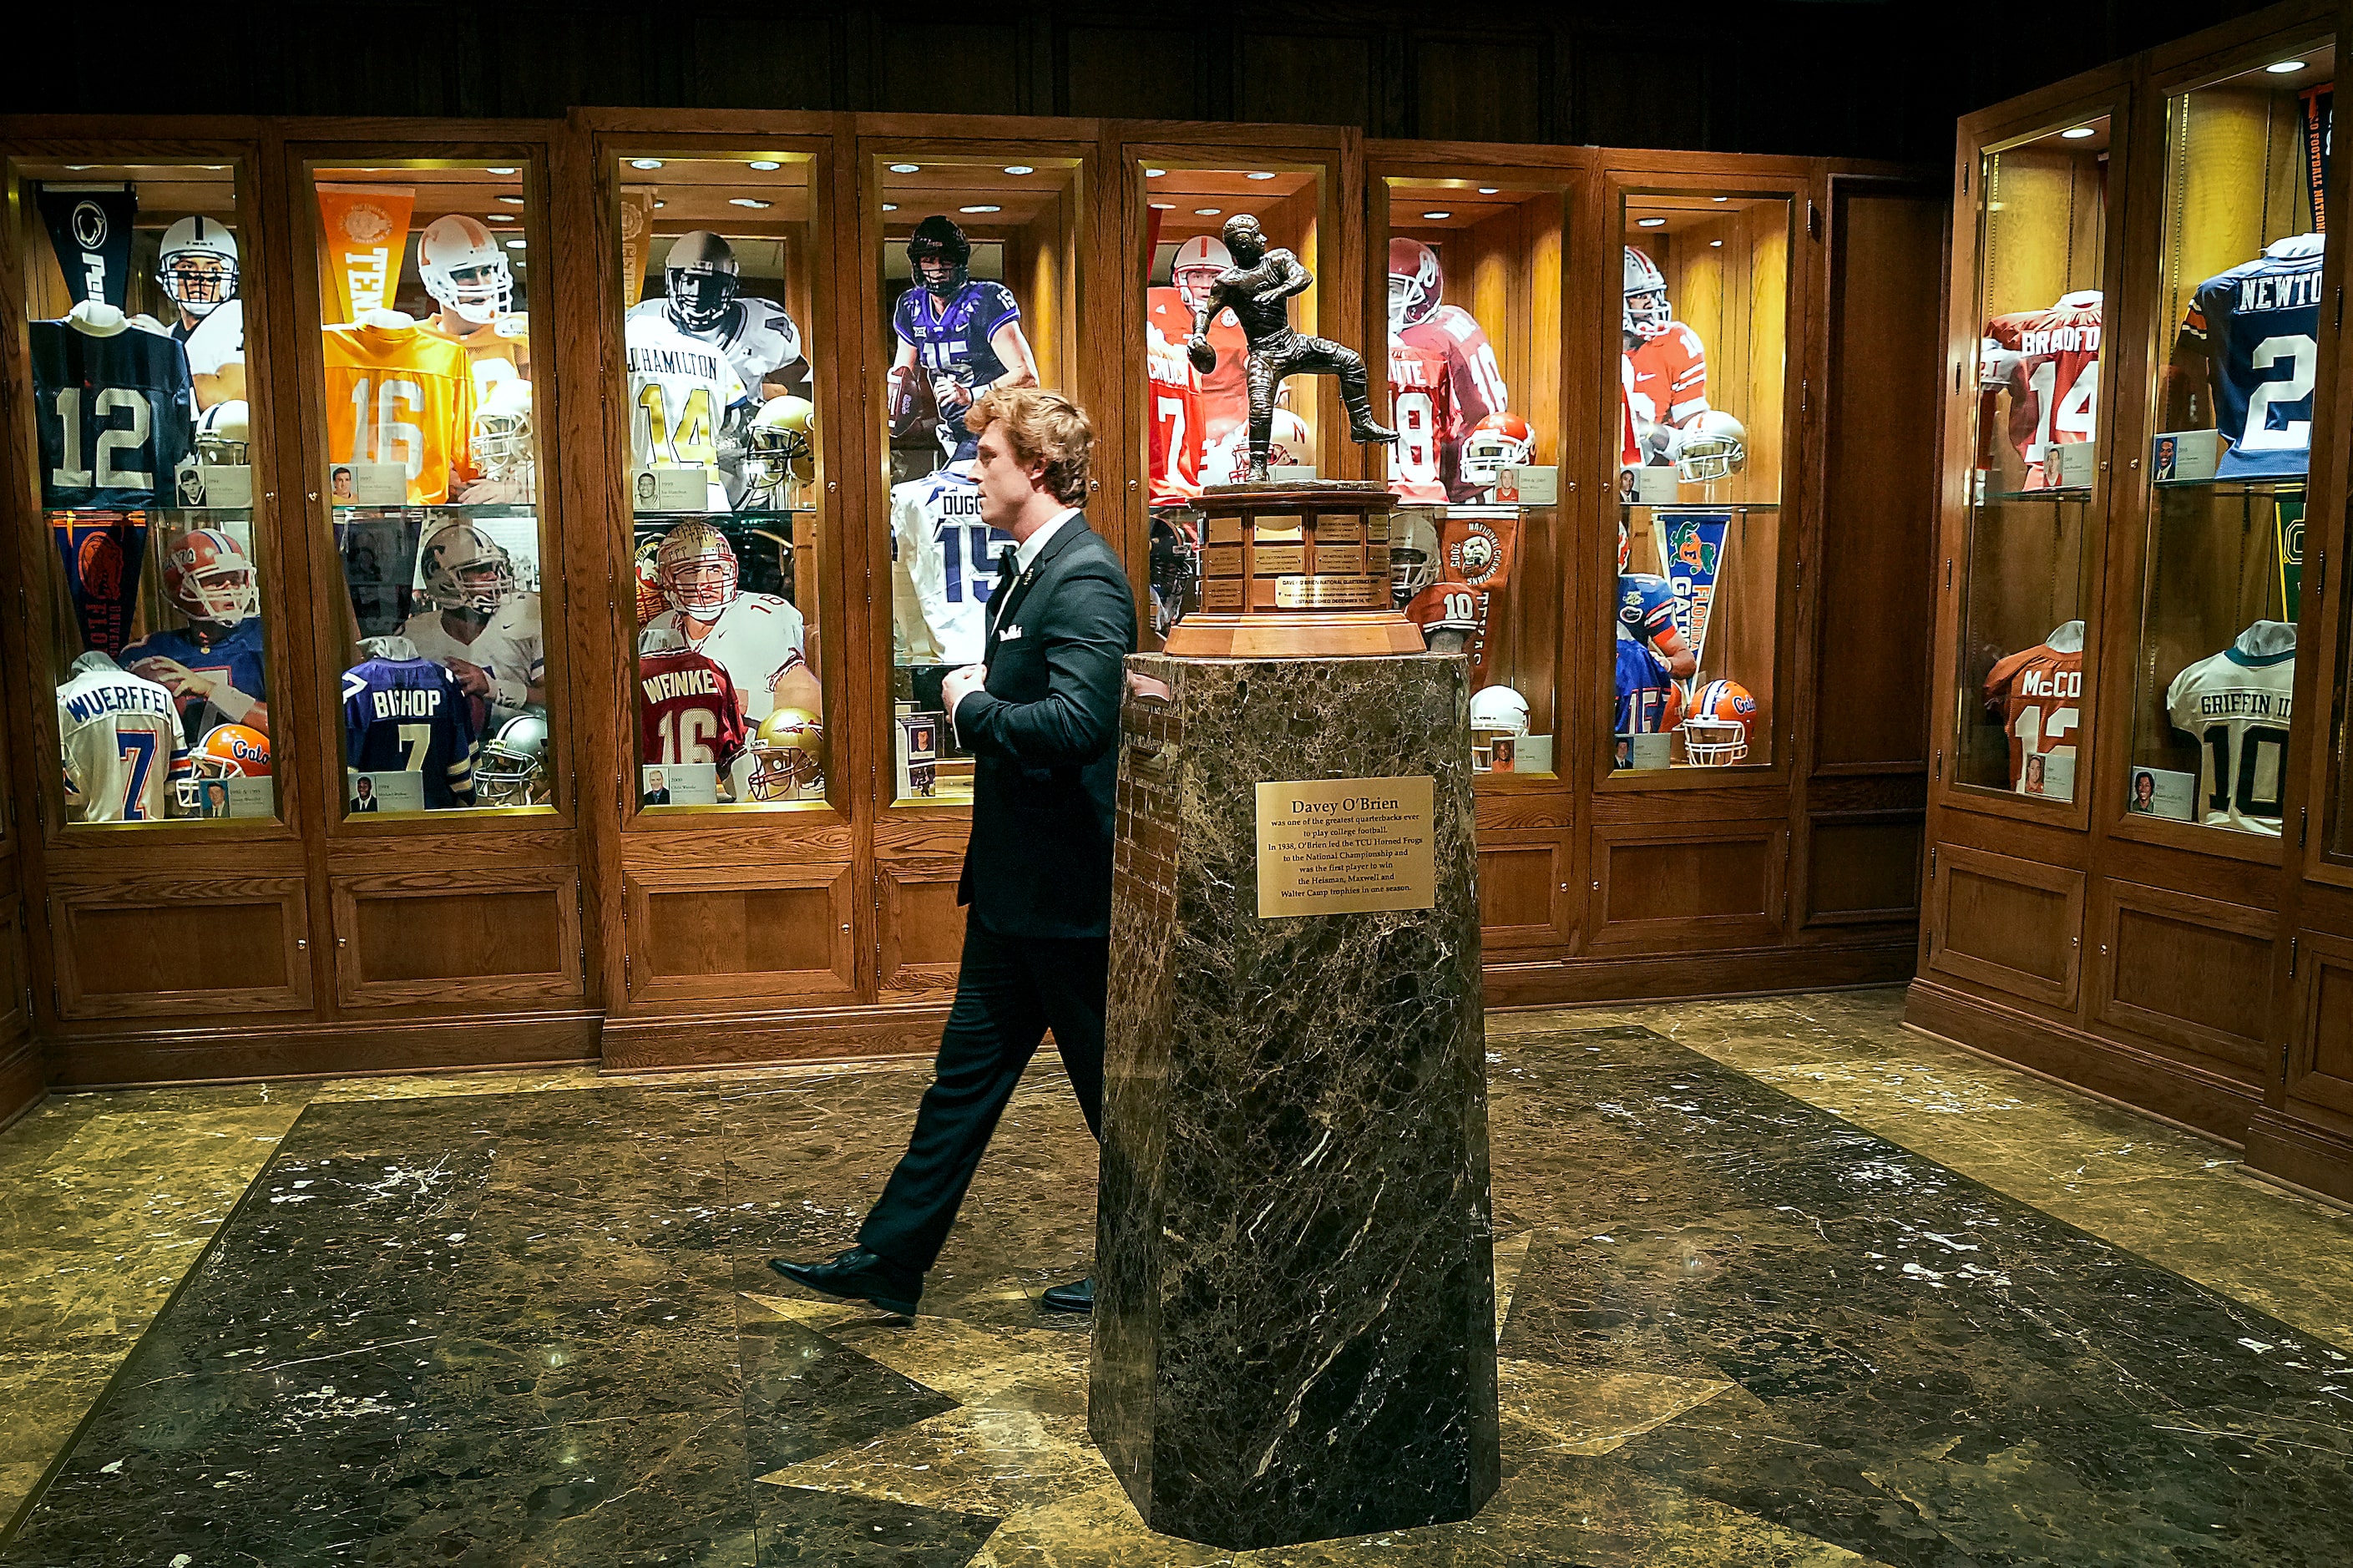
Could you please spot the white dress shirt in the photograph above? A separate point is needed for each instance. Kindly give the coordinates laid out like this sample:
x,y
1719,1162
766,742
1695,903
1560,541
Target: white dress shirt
x,y
1025,555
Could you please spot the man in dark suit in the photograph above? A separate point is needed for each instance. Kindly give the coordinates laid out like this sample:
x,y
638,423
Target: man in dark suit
x,y
1041,717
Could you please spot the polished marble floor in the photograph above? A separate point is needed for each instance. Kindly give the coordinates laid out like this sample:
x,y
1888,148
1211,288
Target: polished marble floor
x,y
1778,1283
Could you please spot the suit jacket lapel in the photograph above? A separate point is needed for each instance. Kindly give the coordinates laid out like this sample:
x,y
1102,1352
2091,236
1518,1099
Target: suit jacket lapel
x,y
1013,594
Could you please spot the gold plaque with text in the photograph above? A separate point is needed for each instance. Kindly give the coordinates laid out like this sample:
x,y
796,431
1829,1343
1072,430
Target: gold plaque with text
x,y
1376,559
1331,594
1222,560
1273,560
1222,593
1339,528
1225,531
1377,530
1342,560
1337,846
1283,529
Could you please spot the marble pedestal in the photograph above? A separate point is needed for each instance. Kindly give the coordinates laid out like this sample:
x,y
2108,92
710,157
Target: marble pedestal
x,y
1294,1313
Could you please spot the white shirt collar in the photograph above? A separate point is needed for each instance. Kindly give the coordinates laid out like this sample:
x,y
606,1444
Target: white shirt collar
x,y
1024,554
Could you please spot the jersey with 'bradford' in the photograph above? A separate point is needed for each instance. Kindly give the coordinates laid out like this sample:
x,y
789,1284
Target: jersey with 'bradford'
x,y
2260,323
121,736
406,715
951,558
687,712
2054,379
2038,694
2236,703
116,414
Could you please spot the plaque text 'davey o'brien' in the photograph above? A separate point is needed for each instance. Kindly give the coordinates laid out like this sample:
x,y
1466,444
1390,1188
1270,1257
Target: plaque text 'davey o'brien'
x,y
1337,846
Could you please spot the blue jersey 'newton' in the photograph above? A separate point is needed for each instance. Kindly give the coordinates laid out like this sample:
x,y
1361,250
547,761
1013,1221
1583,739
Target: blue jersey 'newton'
x,y
2260,323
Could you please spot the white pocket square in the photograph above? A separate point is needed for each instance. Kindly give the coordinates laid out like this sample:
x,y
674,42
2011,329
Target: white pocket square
x,y
1009,633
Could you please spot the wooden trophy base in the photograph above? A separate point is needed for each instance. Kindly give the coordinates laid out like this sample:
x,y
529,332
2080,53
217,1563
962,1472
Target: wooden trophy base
x,y
1295,571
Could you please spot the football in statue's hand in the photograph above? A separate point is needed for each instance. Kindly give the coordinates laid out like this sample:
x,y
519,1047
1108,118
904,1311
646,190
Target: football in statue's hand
x,y
1198,350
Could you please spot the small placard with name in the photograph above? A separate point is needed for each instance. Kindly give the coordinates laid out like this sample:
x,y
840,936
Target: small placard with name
x,y
1337,846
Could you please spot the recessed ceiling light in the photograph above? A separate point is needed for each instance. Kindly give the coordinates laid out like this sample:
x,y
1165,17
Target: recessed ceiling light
x,y
748,202
506,171
905,168
512,201
1715,244
500,217
1719,198
216,168
514,245
1207,212
1019,169
1154,173
645,163
78,168
1163,206
1438,214
983,208
763,164
1258,174
890,206
2285,67
1490,190
1650,223
2075,133
659,203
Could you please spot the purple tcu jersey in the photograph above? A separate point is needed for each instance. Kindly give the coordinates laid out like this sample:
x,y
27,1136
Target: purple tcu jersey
x,y
117,416
234,660
1646,606
408,715
1646,693
951,340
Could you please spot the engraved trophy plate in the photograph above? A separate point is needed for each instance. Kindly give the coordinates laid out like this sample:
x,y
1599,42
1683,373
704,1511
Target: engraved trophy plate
x,y
1331,594
1279,529
1340,560
1222,560
1339,528
1274,559
1225,531
1224,594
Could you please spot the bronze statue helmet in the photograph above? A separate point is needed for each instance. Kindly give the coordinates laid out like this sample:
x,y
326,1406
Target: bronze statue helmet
x,y
1243,235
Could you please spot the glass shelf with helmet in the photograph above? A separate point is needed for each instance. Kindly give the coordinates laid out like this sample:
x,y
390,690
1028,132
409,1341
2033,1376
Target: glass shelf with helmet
x,y
1695,608
134,286
977,269
2237,277
1472,289
2034,415
719,265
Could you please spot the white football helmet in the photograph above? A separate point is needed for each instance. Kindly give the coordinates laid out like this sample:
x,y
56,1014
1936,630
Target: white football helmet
x,y
1502,440
465,270
1711,445
1644,313
224,435
502,431
1199,262
776,460
197,267
697,568
1288,442
1416,284
1413,555
1499,710
463,569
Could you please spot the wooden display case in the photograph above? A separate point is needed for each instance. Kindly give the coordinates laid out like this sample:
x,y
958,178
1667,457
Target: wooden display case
x,y
590,923
2172,963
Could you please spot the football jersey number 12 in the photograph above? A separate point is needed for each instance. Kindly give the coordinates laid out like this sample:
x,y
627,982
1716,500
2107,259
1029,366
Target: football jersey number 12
x,y
69,474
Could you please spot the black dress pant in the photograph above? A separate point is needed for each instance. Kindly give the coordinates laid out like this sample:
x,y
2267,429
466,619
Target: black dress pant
x,y
1009,991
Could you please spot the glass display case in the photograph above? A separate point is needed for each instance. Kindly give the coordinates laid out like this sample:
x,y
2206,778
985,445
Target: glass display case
x,y
431,491
718,269
979,270
1704,331
136,284
1473,296
2238,288
1198,432
2041,241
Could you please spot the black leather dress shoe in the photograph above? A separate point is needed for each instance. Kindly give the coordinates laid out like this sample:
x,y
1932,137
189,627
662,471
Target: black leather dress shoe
x,y
859,1275
1078,1298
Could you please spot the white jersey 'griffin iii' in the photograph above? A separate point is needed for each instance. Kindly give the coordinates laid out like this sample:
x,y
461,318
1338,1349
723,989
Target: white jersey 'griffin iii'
x,y
511,647
2236,703
950,557
121,734
758,336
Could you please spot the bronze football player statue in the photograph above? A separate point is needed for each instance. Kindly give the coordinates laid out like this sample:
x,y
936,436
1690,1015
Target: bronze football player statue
x,y
1258,288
